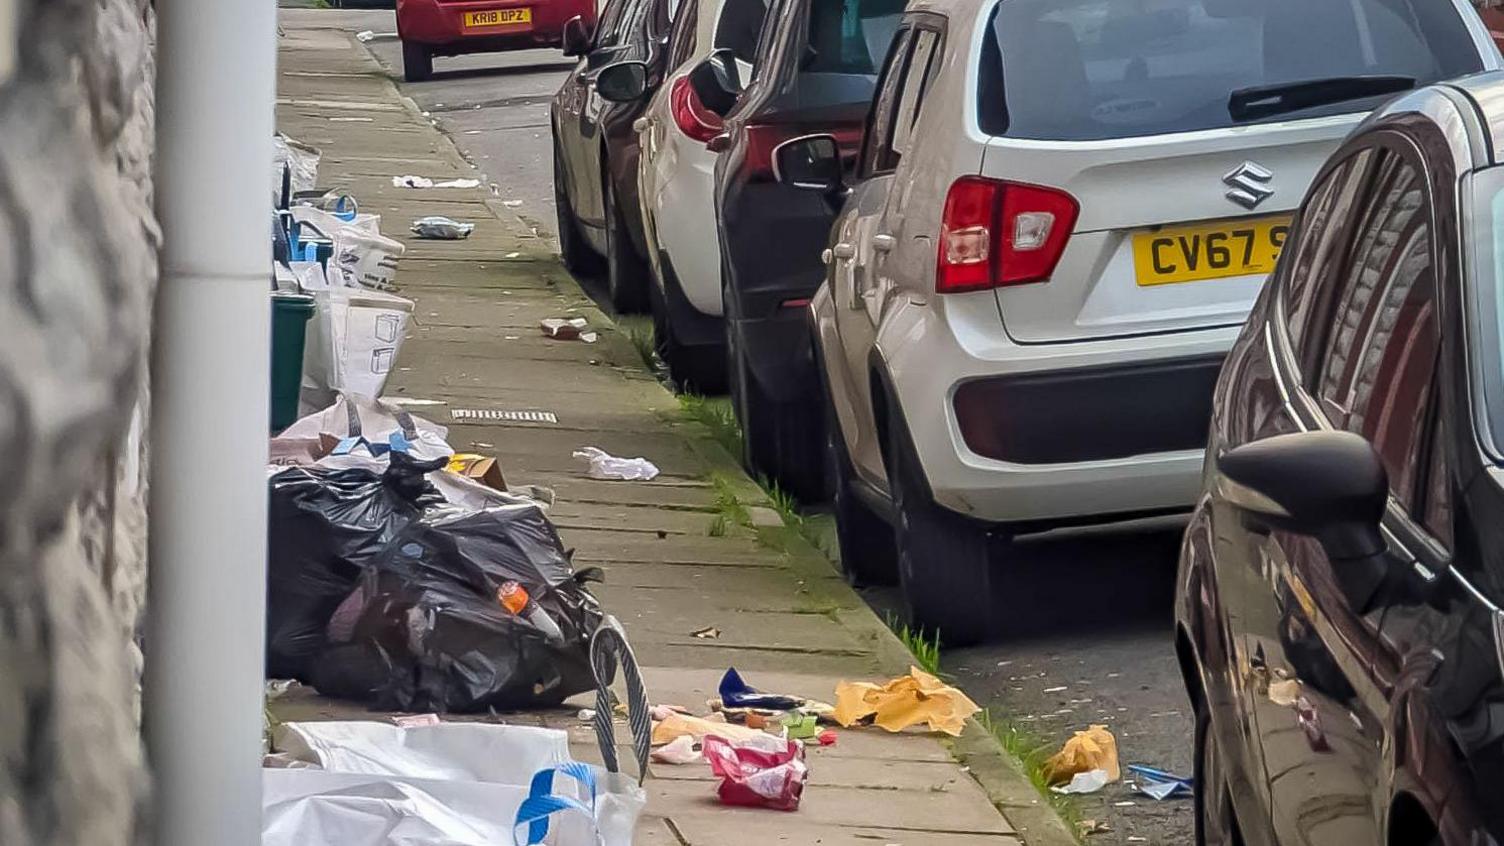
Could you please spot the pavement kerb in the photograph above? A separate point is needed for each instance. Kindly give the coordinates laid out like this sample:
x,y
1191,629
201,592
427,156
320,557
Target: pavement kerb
x,y
1007,787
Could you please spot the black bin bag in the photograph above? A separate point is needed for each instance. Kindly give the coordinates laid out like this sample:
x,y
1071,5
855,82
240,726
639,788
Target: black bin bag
x,y
425,629
324,527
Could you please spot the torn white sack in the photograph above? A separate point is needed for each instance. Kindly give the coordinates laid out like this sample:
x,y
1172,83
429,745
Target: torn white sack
x,y
603,465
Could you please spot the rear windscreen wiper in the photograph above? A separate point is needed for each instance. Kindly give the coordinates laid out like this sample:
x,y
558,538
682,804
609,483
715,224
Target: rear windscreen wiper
x,y
1261,101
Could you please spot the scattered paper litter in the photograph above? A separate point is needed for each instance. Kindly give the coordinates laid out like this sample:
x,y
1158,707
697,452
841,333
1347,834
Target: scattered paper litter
x,y
905,701
681,750
424,182
707,633
511,204
764,771
351,120
416,720
365,35
1088,782
684,725
585,715
1284,692
1093,749
441,228
563,328
603,465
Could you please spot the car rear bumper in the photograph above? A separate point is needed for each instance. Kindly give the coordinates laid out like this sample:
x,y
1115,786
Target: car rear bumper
x,y
1096,431
440,24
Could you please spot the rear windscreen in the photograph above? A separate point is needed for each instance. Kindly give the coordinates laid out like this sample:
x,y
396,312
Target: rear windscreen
x,y
851,36
1091,69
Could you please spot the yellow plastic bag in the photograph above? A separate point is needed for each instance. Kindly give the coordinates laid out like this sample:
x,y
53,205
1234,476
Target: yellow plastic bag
x,y
1093,749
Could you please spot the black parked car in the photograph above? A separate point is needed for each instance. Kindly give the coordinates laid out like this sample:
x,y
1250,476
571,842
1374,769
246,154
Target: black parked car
x,y
595,147
816,69
1340,584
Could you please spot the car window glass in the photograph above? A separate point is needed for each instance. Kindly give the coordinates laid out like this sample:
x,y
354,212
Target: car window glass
x,y
851,36
610,21
1317,251
912,93
739,27
681,41
879,136
1094,69
1379,360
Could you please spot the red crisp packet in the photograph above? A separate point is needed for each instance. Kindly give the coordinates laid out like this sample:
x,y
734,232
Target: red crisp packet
x,y
767,771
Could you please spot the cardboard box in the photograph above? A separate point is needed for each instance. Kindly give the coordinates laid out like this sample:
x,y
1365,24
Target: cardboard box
x,y
481,468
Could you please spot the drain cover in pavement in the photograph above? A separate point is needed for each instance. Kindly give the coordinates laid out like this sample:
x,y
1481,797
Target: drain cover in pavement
x,y
499,416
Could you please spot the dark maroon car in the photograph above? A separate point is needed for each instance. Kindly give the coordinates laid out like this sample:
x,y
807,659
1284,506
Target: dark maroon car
x,y
1340,586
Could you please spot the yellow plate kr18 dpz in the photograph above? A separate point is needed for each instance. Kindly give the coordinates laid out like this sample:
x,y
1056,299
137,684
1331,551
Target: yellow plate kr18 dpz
x,y
497,17
1219,250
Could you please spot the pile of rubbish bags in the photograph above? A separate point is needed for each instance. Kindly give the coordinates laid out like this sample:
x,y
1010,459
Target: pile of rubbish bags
x,y
394,581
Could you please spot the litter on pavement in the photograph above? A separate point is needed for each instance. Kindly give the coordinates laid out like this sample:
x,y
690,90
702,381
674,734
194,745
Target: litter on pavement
x,y
736,693
1092,749
568,329
764,771
1159,784
905,701
439,228
1088,782
603,465
425,182
685,725
681,750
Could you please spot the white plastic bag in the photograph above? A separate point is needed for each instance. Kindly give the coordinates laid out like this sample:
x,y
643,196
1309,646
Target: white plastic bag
x,y
352,344
464,751
455,784
603,465
300,157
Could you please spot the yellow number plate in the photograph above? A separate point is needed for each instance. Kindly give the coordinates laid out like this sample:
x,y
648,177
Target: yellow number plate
x,y
497,17
1208,250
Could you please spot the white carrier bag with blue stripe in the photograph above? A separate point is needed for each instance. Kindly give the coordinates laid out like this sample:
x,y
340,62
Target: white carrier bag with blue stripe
x,y
460,784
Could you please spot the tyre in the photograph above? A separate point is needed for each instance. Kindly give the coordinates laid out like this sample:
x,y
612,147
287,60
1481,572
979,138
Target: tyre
x,y
1215,823
780,440
865,541
693,369
574,252
626,272
417,62
945,562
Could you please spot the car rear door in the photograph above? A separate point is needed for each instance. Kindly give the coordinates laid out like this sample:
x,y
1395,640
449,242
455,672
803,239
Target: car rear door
x,y
1184,200
1362,344
581,133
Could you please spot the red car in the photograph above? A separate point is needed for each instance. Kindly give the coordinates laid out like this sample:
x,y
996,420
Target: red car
x,y
431,28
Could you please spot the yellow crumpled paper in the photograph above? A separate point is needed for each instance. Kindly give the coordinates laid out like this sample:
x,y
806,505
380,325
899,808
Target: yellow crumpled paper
x,y
682,725
905,701
1093,749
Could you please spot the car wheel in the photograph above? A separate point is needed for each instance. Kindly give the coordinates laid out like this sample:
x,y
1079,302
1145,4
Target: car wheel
x,y
699,369
865,542
945,562
626,272
780,440
576,254
1215,825
417,62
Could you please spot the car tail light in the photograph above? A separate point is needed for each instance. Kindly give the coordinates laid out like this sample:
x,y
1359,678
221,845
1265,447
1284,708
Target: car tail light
x,y
763,139
997,233
690,115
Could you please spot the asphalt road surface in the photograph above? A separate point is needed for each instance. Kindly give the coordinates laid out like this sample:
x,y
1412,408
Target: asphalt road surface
x,y
1101,649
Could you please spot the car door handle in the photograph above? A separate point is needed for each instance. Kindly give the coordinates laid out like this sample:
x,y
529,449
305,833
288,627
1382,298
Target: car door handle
x,y
884,243
640,125
844,251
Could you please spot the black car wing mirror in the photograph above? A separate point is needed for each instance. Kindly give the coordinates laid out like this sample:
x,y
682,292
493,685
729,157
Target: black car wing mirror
x,y
576,37
1330,486
622,82
810,162
717,81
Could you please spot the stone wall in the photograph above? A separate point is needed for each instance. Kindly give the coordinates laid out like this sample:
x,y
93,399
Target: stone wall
x,y
78,269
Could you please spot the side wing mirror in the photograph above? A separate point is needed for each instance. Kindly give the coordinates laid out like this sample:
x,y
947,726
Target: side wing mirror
x,y
622,82
811,162
576,37
717,81
1330,486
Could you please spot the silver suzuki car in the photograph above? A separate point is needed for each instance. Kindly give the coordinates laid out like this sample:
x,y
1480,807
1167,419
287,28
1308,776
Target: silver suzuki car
x,y
1062,214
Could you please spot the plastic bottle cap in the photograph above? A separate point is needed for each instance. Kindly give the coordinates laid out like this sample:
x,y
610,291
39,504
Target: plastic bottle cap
x,y
512,596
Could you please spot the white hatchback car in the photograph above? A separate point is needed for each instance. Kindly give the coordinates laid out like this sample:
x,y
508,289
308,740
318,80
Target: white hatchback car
x,y
1063,213
676,176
